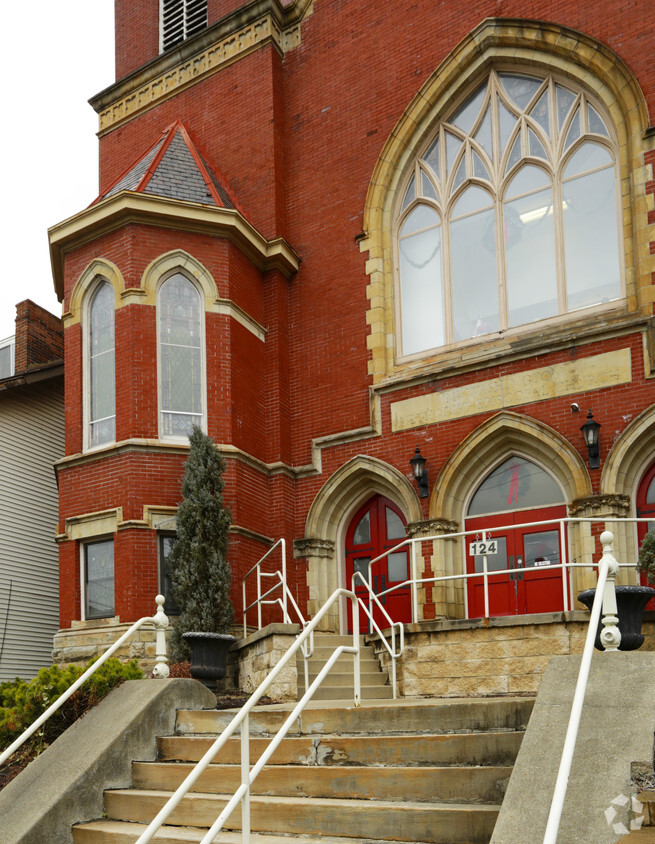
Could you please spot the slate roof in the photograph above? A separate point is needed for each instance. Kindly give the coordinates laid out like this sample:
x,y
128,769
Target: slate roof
x,y
175,168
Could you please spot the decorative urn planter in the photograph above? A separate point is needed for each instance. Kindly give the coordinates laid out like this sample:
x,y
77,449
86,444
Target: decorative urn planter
x,y
630,602
209,656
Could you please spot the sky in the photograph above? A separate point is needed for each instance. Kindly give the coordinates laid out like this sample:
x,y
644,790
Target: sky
x,y
48,144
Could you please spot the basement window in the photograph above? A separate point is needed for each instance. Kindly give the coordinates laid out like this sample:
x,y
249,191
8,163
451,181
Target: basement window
x,y
179,20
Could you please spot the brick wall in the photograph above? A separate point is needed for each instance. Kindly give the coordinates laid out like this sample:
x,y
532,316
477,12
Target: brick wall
x,y
298,137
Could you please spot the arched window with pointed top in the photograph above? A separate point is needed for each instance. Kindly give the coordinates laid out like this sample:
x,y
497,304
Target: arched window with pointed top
x,y
509,216
181,357
100,360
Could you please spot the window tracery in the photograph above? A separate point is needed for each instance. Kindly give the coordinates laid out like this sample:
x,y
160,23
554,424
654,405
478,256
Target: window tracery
x,y
510,214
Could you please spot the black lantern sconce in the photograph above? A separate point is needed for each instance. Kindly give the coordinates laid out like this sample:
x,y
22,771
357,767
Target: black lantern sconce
x,y
591,433
420,472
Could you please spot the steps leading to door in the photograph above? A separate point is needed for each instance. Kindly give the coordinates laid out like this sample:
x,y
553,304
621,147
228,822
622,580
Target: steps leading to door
x,y
398,771
338,685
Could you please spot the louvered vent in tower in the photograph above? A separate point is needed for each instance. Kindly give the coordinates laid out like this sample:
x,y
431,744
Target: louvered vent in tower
x,y
180,19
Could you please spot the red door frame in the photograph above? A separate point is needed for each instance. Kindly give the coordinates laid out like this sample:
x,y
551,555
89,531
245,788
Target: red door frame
x,y
398,603
538,588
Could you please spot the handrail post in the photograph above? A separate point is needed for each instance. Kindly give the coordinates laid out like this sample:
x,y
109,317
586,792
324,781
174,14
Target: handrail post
x,y
259,598
243,594
414,584
285,616
486,578
161,670
245,779
357,689
607,562
564,563
610,636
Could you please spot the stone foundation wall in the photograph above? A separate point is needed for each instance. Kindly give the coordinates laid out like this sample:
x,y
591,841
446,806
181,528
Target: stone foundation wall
x,y
451,658
86,640
256,655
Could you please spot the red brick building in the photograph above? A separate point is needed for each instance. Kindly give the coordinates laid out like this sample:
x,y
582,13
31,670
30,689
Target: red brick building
x,y
332,232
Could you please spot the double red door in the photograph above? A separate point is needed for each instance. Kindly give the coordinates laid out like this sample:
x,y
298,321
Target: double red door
x,y
534,549
377,527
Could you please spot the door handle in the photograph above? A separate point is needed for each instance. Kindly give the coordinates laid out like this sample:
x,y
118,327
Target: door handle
x,y
512,575
519,564
383,599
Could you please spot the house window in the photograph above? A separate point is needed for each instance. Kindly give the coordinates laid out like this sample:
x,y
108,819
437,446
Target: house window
x,y
179,20
510,215
181,358
101,378
166,542
99,579
7,357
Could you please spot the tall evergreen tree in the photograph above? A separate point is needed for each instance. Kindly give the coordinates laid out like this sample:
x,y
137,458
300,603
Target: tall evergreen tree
x,y
200,572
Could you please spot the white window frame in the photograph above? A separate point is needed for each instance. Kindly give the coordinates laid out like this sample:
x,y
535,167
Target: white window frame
x,y
86,368
190,10
202,422
497,201
84,616
10,343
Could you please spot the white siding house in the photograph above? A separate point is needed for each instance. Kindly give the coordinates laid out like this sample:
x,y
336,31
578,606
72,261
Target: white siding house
x,y
31,440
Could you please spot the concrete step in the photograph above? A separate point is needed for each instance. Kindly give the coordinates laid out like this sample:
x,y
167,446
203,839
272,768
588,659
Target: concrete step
x,y
498,748
434,716
418,784
434,823
330,692
119,832
338,678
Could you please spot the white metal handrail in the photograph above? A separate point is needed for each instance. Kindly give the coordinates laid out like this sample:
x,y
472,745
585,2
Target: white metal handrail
x,y
241,719
259,600
161,670
391,649
415,582
610,636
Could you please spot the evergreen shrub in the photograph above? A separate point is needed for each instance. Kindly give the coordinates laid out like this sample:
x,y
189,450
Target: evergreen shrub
x,y
646,563
22,701
200,572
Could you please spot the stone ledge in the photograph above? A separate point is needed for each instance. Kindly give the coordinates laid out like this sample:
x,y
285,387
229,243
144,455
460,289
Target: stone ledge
x,y
275,629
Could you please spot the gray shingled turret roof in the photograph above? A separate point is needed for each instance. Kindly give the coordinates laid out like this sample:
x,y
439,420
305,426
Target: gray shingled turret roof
x,y
174,168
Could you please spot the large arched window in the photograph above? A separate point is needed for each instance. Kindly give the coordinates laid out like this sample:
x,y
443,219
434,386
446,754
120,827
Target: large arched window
x,y
101,380
510,215
181,358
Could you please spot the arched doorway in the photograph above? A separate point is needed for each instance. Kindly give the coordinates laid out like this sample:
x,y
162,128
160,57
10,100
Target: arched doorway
x,y
505,505
378,526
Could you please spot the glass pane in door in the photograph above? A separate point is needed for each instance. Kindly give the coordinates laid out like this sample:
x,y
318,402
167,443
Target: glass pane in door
x,y
541,549
495,562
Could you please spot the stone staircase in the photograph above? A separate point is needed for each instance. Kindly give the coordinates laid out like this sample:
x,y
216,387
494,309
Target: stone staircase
x,y
338,685
420,771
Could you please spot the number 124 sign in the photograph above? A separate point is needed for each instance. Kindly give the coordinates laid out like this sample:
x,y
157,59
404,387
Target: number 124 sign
x,y
486,548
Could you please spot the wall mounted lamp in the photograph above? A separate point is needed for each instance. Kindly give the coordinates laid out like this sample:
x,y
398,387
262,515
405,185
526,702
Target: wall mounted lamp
x,y
420,472
591,433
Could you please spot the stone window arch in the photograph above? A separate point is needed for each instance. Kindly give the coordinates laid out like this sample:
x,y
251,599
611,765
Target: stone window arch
x,y
607,109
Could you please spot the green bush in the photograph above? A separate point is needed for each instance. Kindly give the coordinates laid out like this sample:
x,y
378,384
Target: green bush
x,y
21,701
646,564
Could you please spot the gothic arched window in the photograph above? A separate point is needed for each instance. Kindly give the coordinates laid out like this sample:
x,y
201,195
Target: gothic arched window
x,y
101,409
181,358
510,215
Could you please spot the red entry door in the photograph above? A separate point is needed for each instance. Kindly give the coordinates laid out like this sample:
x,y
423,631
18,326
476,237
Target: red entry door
x,y
533,549
646,510
375,528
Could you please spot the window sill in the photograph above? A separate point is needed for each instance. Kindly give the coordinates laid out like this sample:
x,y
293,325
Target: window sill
x,y
527,341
